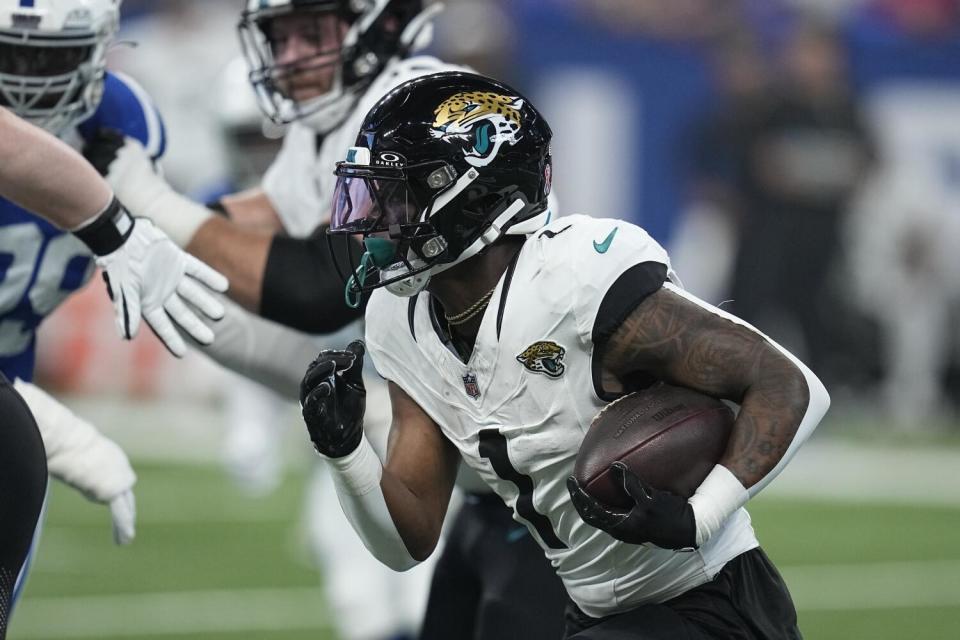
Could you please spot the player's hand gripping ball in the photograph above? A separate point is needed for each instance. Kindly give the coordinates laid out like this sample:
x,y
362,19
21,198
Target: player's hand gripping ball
x,y
643,457
659,517
333,400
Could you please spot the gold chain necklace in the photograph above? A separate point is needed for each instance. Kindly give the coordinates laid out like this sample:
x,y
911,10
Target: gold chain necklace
x,y
472,311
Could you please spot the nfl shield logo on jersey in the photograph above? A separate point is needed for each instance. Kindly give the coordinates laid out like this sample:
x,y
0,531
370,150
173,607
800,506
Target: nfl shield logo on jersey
x,y
470,386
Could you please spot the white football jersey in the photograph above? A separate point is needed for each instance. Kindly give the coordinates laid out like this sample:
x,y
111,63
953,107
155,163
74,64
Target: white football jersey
x,y
519,408
300,182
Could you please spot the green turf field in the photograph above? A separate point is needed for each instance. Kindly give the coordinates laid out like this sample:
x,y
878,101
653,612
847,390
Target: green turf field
x,y
209,563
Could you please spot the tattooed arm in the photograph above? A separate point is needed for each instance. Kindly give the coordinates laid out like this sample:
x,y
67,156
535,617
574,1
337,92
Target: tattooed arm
x,y
686,342
682,343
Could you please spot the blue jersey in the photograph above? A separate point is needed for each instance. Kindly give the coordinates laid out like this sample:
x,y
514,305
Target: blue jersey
x,y
40,265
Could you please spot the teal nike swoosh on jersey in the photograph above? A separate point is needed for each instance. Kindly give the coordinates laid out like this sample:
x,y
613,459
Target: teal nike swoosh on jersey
x,y
601,247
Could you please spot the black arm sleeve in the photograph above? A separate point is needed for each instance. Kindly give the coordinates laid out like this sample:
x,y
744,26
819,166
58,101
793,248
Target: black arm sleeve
x,y
632,287
301,286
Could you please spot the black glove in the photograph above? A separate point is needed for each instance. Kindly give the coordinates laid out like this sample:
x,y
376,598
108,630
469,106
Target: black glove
x,y
333,399
659,517
102,148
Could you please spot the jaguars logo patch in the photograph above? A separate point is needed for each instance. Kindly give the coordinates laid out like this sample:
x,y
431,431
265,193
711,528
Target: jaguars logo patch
x,y
544,357
480,122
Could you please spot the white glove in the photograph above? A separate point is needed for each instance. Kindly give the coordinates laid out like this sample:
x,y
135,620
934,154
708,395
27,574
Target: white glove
x,y
123,511
83,458
149,275
146,194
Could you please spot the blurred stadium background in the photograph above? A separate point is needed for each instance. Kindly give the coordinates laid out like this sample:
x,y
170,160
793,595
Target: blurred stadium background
x,y
800,159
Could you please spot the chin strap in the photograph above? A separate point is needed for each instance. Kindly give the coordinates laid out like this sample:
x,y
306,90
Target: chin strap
x,y
418,282
531,225
491,235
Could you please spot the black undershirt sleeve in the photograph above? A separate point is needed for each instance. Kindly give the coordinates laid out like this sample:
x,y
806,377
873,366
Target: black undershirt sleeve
x,y
301,286
632,287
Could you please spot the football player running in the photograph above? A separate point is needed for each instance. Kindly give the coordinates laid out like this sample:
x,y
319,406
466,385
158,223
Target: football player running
x,y
52,73
447,185
321,65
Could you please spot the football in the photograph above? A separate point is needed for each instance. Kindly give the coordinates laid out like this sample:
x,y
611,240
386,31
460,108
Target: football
x,y
671,437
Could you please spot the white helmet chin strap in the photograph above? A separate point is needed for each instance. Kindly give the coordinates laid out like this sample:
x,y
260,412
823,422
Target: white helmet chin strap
x,y
418,282
531,225
491,235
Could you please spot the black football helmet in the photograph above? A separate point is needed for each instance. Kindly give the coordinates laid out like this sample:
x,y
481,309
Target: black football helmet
x,y
377,31
444,166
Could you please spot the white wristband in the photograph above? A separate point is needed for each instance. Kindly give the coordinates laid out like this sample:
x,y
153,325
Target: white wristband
x,y
716,499
360,471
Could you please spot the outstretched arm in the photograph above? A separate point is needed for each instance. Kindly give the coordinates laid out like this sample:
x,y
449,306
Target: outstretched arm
x,y
146,275
292,281
238,253
263,351
44,175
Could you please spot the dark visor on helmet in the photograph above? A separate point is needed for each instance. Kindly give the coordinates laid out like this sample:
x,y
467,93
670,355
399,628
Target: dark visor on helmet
x,y
379,203
370,199
365,204
42,61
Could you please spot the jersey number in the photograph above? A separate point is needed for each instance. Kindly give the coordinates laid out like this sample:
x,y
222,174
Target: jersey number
x,y
493,446
20,245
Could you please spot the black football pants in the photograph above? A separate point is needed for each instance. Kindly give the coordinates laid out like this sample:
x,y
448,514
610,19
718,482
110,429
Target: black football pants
x,y
23,484
747,600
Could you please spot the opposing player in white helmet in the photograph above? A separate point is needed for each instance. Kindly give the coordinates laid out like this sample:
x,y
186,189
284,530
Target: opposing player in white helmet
x,y
53,74
53,57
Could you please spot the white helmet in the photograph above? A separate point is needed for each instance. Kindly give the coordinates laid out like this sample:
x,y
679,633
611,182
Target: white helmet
x,y
53,58
377,32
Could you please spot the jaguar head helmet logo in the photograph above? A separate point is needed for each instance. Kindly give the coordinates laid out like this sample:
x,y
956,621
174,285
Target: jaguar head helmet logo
x,y
544,357
480,121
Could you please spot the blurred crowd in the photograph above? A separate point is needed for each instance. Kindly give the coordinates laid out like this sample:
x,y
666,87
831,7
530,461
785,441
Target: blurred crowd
x,y
799,158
